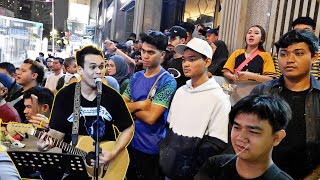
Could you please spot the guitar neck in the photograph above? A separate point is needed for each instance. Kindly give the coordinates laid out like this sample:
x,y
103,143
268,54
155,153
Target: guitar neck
x,y
63,145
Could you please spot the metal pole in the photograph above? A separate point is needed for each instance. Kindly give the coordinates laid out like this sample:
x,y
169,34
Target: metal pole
x,y
52,4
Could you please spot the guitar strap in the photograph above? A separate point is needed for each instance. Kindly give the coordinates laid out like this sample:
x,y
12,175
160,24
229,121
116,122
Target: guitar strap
x,y
76,114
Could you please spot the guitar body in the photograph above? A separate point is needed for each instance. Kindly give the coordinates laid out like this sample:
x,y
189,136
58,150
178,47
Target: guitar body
x,y
117,168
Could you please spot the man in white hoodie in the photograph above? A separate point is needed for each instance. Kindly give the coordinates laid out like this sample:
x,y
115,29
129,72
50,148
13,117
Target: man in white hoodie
x,y
198,116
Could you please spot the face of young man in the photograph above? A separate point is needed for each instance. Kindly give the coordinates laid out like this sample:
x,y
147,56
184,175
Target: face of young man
x,y
253,138
174,41
211,38
193,64
31,110
56,66
151,56
50,63
25,75
93,68
296,60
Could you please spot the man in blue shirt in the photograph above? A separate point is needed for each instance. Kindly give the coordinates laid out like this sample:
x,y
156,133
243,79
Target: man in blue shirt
x,y
148,96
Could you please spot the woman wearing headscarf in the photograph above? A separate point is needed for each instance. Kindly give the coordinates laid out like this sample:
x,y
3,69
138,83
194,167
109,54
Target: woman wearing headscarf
x,y
219,58
118,68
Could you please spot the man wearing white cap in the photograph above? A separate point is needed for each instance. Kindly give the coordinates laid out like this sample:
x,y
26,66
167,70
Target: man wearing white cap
x,y
199,126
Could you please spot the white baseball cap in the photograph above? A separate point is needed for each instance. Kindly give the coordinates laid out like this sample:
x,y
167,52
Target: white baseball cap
x,y
197,45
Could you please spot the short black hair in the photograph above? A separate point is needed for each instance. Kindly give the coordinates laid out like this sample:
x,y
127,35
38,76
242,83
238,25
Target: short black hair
x,y
90,49
68,61
10,68
41,54
304,20
36,67
298,36
155,38
61,60
132,36
188,26
268,108
45,96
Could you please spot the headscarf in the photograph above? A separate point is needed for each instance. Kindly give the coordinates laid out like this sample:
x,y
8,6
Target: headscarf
x,y
122,68
219,58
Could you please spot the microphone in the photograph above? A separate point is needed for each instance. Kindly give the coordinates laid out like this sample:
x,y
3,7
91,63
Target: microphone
x,y
98,82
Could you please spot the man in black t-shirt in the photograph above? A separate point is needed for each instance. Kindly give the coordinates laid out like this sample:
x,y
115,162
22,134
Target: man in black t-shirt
x,y
258,124
177,35
30,74
113,110
298,153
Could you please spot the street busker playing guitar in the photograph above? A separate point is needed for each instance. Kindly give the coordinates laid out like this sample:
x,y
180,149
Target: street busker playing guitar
x,y
75,110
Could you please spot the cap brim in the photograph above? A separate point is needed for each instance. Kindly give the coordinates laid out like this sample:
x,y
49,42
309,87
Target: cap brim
x,y
169,34
180,48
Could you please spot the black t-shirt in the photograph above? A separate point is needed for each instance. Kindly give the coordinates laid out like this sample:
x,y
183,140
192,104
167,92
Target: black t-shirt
x,y
218,168
255,66
290,155
174,67
113,111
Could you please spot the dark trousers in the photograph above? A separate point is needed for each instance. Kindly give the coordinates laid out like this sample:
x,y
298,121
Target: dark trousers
x,y
143,166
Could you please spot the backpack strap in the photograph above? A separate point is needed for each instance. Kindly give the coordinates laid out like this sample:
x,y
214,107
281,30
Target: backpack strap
x,y
153,89
245,62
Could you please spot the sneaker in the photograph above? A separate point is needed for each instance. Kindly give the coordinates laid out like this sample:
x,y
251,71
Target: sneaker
x,y
17,144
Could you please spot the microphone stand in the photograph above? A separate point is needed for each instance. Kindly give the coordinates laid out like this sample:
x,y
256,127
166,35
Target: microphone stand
x,y
97,144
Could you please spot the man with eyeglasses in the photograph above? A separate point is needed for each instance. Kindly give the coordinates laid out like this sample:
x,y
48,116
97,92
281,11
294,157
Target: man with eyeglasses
x,y
298,153
198,116
177,35
148,96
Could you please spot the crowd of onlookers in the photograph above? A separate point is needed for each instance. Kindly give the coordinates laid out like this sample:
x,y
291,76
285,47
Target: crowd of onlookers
x,y
182,116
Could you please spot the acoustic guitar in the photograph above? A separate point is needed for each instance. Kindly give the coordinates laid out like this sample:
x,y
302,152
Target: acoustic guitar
x,y
115,170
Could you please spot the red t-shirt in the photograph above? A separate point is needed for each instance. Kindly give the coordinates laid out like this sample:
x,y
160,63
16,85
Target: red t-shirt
x,y
8,113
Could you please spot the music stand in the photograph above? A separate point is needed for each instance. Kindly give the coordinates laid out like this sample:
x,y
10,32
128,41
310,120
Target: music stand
x,y
49,166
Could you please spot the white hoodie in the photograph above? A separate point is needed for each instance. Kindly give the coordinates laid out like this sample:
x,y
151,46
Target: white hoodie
x,y
204,110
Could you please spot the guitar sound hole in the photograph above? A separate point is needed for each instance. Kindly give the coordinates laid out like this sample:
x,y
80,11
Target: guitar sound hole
x,y
90,155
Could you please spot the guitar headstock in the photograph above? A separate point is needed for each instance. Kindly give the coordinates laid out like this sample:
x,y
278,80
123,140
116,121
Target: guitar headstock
x,y
20,128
